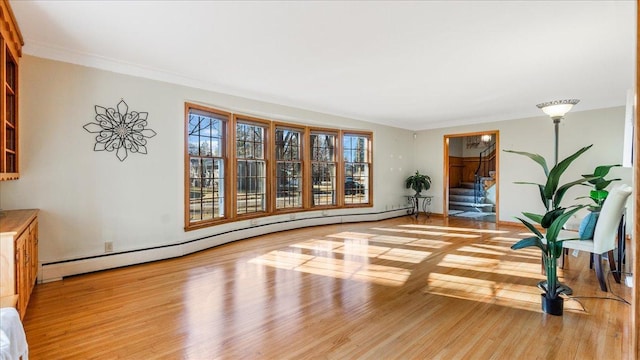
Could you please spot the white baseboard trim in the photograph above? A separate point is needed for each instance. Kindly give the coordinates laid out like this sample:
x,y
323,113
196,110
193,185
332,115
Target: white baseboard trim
x,y
55,271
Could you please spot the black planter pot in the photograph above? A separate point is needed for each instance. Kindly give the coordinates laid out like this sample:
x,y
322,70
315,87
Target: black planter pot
x,y
552,306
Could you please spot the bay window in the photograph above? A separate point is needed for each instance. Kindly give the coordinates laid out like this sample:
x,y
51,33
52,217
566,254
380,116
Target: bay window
x,y
240,167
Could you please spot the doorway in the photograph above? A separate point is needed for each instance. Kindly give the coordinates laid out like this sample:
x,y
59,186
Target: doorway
x,y
471,163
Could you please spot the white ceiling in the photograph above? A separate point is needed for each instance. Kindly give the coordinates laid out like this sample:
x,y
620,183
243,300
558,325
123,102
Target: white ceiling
x,y
414,65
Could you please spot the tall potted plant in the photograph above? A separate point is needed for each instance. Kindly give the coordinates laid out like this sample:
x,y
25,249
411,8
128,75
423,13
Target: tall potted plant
x,y
418,182
552,221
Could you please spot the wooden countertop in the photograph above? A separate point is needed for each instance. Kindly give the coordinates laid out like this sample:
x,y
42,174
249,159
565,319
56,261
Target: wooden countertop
x,y
15,221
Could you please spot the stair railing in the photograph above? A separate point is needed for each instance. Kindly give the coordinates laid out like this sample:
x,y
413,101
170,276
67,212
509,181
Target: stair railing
x,y
484,166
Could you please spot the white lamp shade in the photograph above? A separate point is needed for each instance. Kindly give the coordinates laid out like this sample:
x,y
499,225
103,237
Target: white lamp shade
x,y
557,108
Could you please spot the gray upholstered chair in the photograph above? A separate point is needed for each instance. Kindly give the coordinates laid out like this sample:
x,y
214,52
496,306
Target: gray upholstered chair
x,y
605,234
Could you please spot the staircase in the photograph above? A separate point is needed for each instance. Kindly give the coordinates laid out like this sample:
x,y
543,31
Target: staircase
x,y
469,197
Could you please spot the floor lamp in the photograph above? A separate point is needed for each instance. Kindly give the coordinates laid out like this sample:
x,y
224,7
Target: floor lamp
x,y
556,110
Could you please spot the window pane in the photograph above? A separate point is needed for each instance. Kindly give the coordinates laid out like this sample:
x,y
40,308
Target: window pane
x,y
205,133
323,169
206,165
251,170
251,185
323,147
288,169
356,169
287,144
289,185
324,184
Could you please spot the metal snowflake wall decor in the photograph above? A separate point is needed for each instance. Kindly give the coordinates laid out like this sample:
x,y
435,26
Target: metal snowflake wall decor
x,y
120,130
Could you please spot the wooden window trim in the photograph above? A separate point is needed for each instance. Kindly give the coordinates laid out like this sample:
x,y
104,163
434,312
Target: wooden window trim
x,y
337,160
267,125
369,136
205,223
303,148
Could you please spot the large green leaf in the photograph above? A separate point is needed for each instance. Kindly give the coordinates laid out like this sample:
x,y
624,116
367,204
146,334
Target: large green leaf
x,y
535,157
535,217
603,170
558,223
531,227
554,175
529,242
563,189
604,183
550,216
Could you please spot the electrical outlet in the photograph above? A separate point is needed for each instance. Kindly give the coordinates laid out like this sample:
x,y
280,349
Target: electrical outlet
x,y
108,246
575,253
628,280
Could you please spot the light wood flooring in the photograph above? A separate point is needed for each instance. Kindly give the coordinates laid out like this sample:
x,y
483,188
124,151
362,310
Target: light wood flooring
x,y
395,289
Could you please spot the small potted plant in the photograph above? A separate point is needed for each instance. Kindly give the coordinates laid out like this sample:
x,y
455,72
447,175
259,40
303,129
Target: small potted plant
x,y
418,182
552,221
599,194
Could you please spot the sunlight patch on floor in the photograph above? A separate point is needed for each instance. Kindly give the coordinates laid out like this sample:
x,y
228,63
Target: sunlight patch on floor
x,y
419,242
394,240
480,250
526,234
354,263
319,245
335,268
282,259
451,228
517,296
351,235
351,247
430,233
493,266
501,239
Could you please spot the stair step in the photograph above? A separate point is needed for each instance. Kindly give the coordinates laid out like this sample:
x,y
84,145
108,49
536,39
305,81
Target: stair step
x,y
461,191
467,185
470,204
465,198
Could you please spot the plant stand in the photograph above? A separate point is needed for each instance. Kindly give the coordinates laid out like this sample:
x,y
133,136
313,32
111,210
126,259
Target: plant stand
x,y
415,204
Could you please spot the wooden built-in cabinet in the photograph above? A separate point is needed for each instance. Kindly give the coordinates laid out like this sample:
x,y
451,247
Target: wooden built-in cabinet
x,y
10,51
18,257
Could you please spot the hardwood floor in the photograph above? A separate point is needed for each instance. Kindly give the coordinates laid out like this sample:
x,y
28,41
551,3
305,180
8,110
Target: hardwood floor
x,y
396,289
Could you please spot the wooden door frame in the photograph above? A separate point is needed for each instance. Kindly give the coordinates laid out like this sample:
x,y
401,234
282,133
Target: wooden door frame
x,y
445,182
635,246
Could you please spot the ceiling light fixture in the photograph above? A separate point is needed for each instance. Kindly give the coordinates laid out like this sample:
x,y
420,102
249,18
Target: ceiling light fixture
x,y
556,110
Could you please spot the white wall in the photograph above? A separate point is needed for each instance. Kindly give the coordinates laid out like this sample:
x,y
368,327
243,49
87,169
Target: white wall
x,y
603,128
88,198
